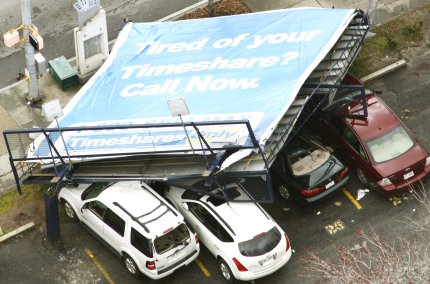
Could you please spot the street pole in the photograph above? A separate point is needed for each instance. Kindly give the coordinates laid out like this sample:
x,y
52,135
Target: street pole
x,y
211,8
33,90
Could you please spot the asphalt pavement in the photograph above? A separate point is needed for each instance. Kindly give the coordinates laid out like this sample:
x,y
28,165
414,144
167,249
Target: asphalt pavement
x,y
29,258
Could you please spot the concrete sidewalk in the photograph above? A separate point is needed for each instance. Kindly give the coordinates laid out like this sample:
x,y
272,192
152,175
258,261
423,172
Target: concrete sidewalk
x,y
16,114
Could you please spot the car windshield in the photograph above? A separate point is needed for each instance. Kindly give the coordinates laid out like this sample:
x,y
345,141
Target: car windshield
x,y
230,191
390,145
176,237
261,244
344,97
95,189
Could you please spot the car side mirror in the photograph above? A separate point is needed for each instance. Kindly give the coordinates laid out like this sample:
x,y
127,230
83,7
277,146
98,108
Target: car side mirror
x,y
185,206
378,92
84,207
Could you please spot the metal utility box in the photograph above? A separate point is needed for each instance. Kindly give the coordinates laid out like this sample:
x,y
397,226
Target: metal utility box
x,y
40,64
63,72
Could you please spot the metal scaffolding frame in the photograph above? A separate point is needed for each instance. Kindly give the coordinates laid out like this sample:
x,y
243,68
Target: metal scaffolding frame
x,y
59,166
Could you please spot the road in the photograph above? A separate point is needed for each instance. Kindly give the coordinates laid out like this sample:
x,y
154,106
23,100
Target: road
x,y
57,19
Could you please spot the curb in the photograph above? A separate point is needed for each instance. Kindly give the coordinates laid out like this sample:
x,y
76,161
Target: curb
x,y
17,231
185,11
383,71
12,86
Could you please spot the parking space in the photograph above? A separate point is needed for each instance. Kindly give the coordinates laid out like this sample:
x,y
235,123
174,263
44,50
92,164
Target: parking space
x,y
111,269
320,227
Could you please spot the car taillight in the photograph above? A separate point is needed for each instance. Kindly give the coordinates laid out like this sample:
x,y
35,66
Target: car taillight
x,y
342,174
259,235
288,242
150,265
168,230
239,265
384,182
311,191
427,161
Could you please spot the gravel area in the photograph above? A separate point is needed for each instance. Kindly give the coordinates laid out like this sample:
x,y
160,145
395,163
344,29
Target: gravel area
x,y
221,8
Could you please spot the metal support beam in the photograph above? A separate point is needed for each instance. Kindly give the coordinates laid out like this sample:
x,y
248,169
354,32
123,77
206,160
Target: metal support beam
x,y
52,217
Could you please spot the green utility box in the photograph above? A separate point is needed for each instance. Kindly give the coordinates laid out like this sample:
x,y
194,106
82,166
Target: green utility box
x,y
63,72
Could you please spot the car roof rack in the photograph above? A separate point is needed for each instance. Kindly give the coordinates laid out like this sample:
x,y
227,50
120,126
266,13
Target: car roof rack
x,y
162,202
131,216
143,224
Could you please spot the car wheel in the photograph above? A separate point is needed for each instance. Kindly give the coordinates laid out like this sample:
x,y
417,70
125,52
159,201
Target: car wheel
x,y
284,192
131,266
362,177
69,211
226,271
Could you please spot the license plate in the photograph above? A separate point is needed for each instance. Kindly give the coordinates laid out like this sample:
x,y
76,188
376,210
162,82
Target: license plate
x,y
267,259
330,184
175,254
408,175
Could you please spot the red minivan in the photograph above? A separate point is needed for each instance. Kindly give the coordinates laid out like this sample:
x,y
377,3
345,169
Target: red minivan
x,y
385,153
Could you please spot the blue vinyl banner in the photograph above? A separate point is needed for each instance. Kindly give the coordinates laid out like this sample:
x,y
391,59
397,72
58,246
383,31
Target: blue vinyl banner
x,y
243,67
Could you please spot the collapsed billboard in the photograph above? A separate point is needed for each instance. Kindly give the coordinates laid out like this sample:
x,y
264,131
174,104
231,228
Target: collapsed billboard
x,y
242,67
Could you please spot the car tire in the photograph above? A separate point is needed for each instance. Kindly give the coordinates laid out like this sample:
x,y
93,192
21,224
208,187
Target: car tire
x,y
226,271
131,266
68,209
362,177
284,192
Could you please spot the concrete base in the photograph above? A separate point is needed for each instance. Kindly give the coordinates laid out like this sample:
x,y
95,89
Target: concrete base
x,y
384,71
17,231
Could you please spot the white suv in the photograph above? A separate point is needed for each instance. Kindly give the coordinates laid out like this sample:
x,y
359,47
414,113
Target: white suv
x,y
246,241
141,227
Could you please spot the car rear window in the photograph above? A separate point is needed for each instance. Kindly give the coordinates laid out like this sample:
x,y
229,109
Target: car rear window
x,y
176,237
390,145
261,244
141,243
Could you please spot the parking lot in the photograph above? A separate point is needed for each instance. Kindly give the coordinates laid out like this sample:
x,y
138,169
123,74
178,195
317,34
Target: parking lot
x,y
320,228
81,258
